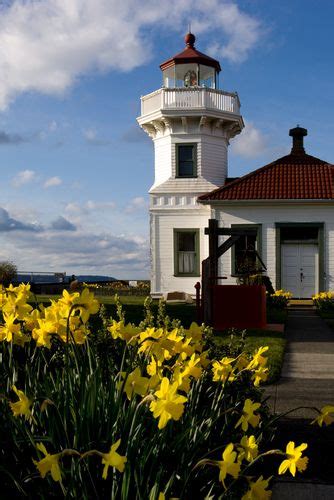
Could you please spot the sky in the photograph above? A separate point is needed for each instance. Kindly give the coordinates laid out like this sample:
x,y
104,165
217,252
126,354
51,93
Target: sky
x,y
75,166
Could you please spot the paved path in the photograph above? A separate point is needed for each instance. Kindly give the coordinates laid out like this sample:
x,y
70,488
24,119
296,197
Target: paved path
x,y
307,380
308,370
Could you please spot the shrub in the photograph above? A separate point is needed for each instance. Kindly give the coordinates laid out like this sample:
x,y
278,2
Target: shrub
x,y
8,272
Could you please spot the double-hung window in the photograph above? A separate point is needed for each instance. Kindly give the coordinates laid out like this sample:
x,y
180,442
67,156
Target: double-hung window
x,y
186,252
244,250
186,160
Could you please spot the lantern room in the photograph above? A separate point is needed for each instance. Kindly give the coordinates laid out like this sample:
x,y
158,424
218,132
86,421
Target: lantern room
x,y
190,68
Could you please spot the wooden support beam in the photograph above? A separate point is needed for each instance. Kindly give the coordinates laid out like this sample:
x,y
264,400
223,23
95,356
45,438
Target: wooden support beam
x,y
227,245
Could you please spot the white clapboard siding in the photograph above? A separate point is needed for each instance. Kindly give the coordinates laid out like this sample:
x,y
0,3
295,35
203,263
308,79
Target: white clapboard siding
x,y
268,215
163,223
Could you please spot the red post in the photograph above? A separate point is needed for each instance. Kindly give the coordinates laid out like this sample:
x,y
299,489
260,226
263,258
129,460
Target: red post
x,y
198,302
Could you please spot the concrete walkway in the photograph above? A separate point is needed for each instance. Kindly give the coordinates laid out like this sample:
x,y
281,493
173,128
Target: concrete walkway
x,y
307,380
308,369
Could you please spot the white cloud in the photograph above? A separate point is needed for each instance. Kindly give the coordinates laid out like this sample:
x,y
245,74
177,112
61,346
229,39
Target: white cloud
x,y
89,206
98,205
78,252
23,177
47,45
90,134
136,204
92,137
242,30
250,143
53,181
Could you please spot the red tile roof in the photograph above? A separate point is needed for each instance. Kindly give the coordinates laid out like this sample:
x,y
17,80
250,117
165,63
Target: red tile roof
x,y
293,177
191,55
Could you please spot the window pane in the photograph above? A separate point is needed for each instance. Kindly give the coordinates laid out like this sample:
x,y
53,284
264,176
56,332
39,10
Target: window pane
x,y
186,153
186,262
186,160
186,242
186,168
245,258
186,257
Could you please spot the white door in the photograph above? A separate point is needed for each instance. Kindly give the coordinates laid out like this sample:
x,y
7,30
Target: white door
x,y
300,269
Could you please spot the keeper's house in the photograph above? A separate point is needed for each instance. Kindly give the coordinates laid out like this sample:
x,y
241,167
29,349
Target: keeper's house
x,y
290,202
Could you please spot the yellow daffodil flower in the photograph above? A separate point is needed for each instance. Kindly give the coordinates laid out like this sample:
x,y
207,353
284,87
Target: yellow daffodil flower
x,y
31,320
169,404
258,359
242,362
248,416
22,406
258,490
87,304
135,383
10,328
223,370
260,375
113,459
153,368
50,463
43,334
294,460
326,416
248,449
115,329
191,368
195,332
228,465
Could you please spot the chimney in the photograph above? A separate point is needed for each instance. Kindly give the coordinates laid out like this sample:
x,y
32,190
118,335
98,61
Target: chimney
x,y
298,133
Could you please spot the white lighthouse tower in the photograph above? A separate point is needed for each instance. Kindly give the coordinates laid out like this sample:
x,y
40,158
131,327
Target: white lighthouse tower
x,y
190,121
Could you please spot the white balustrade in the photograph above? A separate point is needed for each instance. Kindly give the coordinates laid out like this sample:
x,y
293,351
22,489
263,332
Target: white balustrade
x,y
194,98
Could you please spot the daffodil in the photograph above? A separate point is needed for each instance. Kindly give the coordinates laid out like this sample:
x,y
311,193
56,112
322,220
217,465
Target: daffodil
x,y
43,333
260,375
195,332
168,404
258,358
10,328
154,367
50,463
87,304
248,416
258,490
192,367
22,406
326,416
135,383
248,449
294,460
223,370
113,459
228,465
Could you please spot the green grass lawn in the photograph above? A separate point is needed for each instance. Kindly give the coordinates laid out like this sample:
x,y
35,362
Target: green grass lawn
x,y
186,313
276,341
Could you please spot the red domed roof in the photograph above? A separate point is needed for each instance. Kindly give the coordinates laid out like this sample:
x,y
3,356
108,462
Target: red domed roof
x,y
191,55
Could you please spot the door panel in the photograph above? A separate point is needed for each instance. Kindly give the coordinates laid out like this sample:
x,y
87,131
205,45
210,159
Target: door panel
x,y
300,263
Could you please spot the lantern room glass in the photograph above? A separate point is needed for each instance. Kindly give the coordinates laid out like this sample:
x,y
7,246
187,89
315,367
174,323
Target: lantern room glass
x,y
190,75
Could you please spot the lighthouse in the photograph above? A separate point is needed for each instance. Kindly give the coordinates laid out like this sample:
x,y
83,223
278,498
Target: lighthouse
x,y
191,121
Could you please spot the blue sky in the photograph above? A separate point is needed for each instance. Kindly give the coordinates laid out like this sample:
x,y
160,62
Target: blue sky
x,y
76,168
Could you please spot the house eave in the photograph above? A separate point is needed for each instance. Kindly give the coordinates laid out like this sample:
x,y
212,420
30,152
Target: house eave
x,y
315,201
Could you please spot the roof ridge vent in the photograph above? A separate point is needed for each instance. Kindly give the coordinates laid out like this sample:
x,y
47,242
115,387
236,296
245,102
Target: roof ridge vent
x,y
298,133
